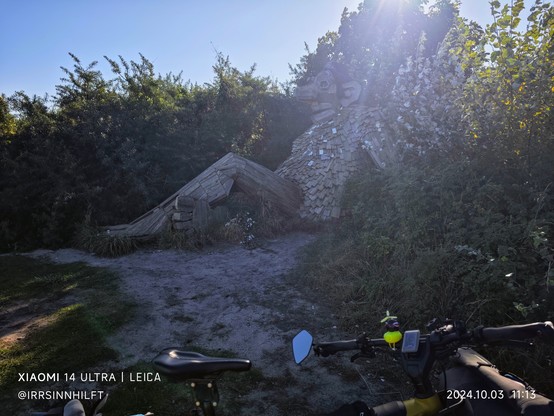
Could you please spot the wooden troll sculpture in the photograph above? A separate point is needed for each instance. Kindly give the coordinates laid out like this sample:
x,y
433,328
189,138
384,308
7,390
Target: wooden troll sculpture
x,y
344,138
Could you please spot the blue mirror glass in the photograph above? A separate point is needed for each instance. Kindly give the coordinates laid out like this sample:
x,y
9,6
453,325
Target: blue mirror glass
x,y
301,346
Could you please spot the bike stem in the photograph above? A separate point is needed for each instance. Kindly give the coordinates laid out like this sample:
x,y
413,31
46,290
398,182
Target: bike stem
x,y
418,367
205,395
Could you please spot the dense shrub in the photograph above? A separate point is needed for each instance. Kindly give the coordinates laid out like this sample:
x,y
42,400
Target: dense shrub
x,y
105,151
463,225
446,240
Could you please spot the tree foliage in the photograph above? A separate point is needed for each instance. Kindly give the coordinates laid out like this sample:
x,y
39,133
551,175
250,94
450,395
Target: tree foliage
x,y
465,219
509,96
105,151
463,225
376,40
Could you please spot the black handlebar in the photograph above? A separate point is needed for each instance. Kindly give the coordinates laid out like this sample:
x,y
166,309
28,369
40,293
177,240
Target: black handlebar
x,y
327,348
453,333
542,330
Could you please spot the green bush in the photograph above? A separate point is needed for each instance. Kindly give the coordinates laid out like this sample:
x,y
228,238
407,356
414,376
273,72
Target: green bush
x,y
441,240
112,149
434,240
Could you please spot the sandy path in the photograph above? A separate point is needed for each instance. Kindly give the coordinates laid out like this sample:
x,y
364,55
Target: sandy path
x,y
233,299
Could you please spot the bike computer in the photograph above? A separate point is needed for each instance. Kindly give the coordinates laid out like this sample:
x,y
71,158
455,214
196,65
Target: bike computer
x,y
411,341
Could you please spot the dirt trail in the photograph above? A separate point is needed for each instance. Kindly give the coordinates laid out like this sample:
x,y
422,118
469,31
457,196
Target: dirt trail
x,y
238,300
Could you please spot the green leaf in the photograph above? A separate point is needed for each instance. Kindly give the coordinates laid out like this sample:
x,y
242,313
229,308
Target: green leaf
x,y
517,8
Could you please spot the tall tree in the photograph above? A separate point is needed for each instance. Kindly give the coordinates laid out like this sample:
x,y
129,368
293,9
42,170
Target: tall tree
x,y
7,120
510,95
376,40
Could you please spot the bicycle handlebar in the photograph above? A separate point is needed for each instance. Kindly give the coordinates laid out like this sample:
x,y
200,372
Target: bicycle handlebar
x,y
440,343
543,330
328,348
450,334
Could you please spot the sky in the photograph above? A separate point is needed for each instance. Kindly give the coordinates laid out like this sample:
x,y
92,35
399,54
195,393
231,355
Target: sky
x,y
177,36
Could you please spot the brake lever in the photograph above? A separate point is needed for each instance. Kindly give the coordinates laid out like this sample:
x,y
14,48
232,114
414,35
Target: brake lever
x,y
318,351
366,350
363,354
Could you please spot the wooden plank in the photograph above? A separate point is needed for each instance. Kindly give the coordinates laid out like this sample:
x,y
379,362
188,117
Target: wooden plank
x,y
200,214
183,202
181,216
213,185
228,185
229,171
198,193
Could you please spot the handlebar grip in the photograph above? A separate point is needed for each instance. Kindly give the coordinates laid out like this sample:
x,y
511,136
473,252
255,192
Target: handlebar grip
x,y
327,348
395,408
544,330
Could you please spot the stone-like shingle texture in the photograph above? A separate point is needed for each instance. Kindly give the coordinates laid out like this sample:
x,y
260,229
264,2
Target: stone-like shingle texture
x,y
329,153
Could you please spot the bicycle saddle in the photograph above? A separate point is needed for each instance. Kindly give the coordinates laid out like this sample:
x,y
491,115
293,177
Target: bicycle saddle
x,y
186,365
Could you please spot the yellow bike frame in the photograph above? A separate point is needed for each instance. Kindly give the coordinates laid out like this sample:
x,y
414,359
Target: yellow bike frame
x,y
423,407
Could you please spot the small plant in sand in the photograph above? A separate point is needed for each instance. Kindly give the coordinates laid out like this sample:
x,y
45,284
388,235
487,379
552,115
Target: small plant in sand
x,y
175,239
240,227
